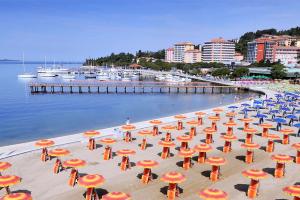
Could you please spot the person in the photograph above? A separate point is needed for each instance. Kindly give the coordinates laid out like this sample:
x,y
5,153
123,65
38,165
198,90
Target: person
x,y
127,121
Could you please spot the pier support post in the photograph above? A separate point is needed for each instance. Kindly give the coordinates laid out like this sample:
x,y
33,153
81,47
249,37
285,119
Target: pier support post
x,y
177,89
195,90
134,89
106,89
80,90
160,89
186,90
143,89
221,90
125,89
71,89
203,90
116,89
89,89
212,90
62,89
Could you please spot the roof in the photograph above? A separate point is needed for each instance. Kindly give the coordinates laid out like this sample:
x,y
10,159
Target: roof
x,y
184,43
134,65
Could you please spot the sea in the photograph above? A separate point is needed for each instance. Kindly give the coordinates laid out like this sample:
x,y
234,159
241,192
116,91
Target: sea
x,y
25,117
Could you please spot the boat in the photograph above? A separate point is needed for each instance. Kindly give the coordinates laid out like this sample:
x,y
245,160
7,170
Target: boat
x,y
26,74
54,70
90,76
68,76
47,74
126,79
101,76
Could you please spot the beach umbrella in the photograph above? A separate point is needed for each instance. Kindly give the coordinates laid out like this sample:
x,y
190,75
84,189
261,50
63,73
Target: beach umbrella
x,y
166,148
116,196
168,129
281,159
279,121
186,154
108,149
4,166
233,107
179,123
245,111
297,147
255,175
271,145
173,178
9,180
193,124
246,122
230,126
202,149
217,111
200,117
155,124
249,134
90,134
209,131
74,164
214,120
17,196
292,118
266,127
245,104
44,144
231,115
250,151
184,139
125,153
58,153
212,194
215,162
293,190
286,132
261,117
144,141
147,165
128,128
91,181
227,145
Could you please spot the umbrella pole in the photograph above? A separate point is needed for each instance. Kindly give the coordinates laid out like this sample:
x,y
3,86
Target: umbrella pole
x,y
229,130
246,125
265,132
200,121
279,170
285,139
179,125
248,138
172,191
44,154
214,174
253,188
57,166
184,145
128,137
296,198
155,130
144,144
226,147
124,163
168,137
270,147
186,163
73,177
146,175
208,139
92,144
214,125
249,156
107,153
192,132
231,119
165,153
7,190
298,157
201,157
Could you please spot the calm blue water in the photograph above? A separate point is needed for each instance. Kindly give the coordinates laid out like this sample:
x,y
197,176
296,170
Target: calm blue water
x,y
25,117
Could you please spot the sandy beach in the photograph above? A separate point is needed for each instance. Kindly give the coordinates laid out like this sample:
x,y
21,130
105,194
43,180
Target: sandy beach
x,y
39,179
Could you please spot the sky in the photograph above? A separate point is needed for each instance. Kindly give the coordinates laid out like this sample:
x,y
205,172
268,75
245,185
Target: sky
x,y
72,30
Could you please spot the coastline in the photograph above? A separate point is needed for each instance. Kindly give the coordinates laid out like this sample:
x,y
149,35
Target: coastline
x,y
26,147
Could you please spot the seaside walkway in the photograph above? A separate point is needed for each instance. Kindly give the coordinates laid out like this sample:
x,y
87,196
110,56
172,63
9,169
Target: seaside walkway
x,y
101,87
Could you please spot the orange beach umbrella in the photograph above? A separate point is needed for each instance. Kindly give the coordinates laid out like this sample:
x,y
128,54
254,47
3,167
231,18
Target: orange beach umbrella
x,y
179,116
281,159
271,145
186,154
193,124
168,129
155,124
17,196
214,120
209,131
108,149
173,178
218,111
227,145
216,162
231,115
166,148
147,165
179,123
184,139
230,126
246,122
74,164
212,194
9,180
125,153
90,134
127,128
286,132
266,127
202,149
293,190
200,117
44,144
4,166
116,196
254,175
91,181
249,132
297,147
58,153
250,154
144,140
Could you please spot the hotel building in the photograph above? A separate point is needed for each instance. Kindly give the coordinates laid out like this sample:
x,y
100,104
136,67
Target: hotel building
x,y
192,56
218,50
169,55
183,52
287,55
179,50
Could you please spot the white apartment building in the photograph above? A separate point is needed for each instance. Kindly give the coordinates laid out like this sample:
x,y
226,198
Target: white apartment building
x,y
192,56
218,50
169,55
179,50
286,55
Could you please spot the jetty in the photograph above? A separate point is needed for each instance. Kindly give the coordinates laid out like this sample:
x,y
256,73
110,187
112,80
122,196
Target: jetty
x,y
100,87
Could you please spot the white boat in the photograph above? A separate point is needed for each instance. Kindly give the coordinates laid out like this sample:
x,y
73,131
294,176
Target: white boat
x,y
126,79
68,76
90,76
55,70
47,74
135,77
25,74
102,77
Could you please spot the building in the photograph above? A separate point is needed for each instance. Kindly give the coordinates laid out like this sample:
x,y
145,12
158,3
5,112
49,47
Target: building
x,y
260,49
169,55
179,50
192,56
238,57
218,50
287,55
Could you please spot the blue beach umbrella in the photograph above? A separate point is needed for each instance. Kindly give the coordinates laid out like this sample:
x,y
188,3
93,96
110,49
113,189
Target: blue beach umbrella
x,y
268,100
245,104
279,120
285,109
270,104
291,116
233,107
297,125
261,116
274,111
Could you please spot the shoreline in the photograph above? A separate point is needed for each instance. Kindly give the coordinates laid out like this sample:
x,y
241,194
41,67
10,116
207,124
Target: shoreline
x,y
26,147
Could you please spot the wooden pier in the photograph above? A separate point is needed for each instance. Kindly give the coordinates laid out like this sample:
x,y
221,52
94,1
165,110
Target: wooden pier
x,y
132,87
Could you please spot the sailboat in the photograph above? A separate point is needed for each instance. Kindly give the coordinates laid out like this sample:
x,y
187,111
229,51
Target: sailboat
x,y
25,74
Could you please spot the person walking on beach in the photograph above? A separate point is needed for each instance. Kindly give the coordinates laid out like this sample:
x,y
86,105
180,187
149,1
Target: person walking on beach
x,y
127,121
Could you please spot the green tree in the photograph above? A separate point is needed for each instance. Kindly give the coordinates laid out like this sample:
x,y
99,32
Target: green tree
x,y
278,71
239,72
221,72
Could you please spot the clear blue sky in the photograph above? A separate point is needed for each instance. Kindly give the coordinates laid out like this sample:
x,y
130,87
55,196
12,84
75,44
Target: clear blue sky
x,y
76,29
